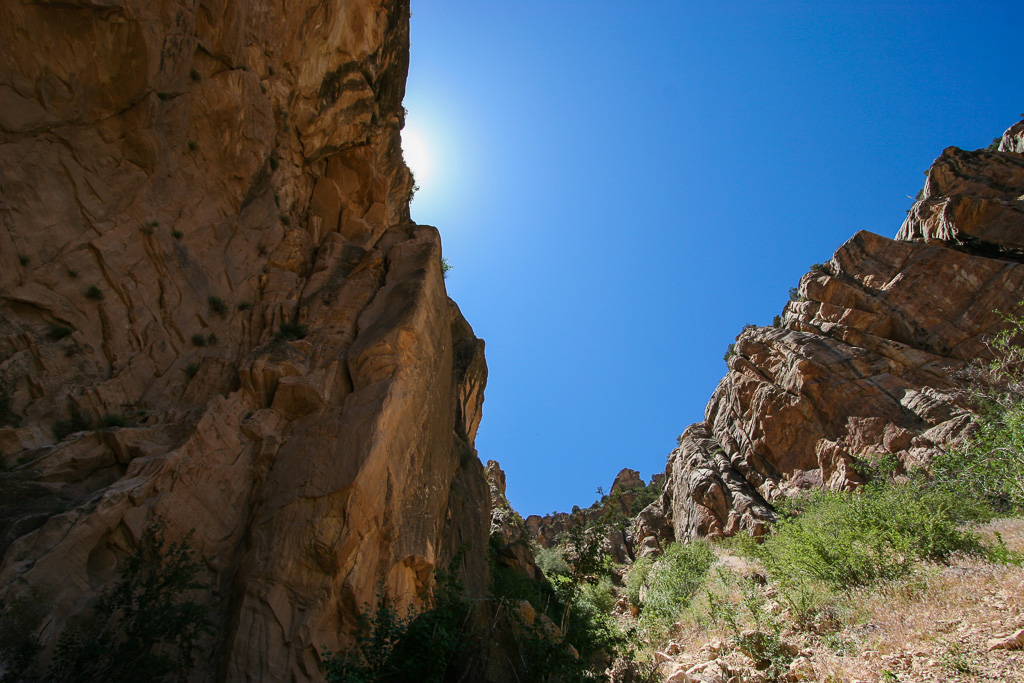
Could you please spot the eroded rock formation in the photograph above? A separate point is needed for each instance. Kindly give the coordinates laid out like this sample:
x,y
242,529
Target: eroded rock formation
x,y
865,361
205,244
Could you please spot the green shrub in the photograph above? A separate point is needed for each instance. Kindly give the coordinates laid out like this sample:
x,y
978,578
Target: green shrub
x,y
178,234
217,305
675,579
24,260
199,340
7,414
244,305
729,352
114,420
58,332
880,532
290,331
94,293
142,627
64,428
989,466
551,561
191,369
636,579
445,267
194,75
286,220
427,644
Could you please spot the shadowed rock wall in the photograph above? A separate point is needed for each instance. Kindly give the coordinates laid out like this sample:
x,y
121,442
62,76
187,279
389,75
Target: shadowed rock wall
x,y
205,237
865,362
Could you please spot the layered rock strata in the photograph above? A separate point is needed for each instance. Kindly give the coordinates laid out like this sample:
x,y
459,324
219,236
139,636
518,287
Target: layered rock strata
x,y
216,313
865,361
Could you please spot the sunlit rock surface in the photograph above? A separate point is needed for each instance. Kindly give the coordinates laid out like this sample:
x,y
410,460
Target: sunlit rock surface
x,y
865,362
205,237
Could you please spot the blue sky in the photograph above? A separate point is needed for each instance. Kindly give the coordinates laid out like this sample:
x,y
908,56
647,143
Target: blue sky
x,y
620,187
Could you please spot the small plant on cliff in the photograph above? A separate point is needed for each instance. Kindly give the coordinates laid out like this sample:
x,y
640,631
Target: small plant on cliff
x,y
794,294
199,340
94,293
57,332
24,260
191,369
729,352
177,234
143,627
217,305
445,267
7,415
64,428
290,331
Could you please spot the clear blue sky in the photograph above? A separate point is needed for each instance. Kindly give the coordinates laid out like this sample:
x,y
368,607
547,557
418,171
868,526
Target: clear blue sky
x,y
620,187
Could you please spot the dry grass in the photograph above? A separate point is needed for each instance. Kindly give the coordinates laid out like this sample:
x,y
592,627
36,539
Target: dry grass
x,y
933,626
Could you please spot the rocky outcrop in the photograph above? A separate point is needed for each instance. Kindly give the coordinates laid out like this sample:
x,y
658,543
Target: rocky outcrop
x,y
509,537
864,361
216,312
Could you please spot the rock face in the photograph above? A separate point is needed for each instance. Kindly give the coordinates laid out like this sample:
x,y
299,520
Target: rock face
x,y
865,361
206,245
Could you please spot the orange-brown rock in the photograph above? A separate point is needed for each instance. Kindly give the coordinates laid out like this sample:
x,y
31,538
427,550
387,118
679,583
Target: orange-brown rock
x,y
866,359
206,238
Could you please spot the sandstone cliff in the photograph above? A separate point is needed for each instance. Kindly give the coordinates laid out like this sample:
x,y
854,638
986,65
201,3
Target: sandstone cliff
x,y
865,361
205,245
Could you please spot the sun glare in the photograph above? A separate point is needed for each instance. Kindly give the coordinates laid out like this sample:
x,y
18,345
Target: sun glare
x,y
417,155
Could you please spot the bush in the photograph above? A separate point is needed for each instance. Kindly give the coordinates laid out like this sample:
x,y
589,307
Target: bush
x,y
445,268
178,234
636,579
191,369
58,332
198,340
425,645
290,331
675,579
142,627
64,428
94,293
114,420
990,466
7,414
880,532
551,561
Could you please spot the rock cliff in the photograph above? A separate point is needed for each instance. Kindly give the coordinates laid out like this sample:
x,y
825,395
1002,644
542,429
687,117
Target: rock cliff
x,y
867,358
215,312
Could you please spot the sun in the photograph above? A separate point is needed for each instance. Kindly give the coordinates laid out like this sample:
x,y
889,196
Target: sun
x,y
417,155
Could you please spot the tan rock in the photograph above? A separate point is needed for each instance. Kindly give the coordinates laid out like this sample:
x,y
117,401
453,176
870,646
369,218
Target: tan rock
x,y
1014,641
213,200
861,364
800,669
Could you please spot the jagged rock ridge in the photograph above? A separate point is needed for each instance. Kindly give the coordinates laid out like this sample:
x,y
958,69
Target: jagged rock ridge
x,y
205,238
865,362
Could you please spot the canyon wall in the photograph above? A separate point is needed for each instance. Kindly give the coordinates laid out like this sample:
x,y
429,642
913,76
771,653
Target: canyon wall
x,y
217,315
866,360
